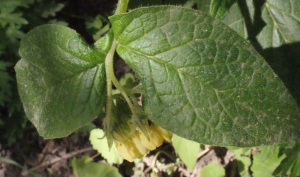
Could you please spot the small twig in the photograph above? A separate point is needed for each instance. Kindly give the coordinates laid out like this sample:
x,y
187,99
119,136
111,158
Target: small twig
x,y
96,155
196,171
57,159
161,152
202,153
148,169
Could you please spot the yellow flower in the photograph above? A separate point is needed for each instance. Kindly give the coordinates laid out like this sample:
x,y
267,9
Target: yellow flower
x,y
164,133
137,145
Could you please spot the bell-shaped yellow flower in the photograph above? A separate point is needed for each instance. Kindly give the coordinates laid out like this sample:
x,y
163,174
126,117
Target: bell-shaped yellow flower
x,y
137,145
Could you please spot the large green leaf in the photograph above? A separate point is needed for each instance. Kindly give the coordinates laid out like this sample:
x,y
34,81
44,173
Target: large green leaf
x,y
61,80
273,28
203,81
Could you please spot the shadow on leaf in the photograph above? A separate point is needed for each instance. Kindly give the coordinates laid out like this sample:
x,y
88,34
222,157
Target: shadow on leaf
x,y
285,62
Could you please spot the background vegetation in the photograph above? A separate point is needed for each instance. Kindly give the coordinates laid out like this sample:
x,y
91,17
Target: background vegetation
x,y
21,148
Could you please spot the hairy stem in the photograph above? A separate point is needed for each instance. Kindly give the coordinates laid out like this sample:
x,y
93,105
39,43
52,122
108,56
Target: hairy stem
x,y
109,72
122,6
111,78
109,61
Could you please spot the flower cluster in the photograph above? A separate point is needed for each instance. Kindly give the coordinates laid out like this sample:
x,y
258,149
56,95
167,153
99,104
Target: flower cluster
x,y
137,145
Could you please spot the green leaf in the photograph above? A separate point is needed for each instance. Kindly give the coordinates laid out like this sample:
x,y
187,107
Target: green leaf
x,y
5,85
203,81
12,162
291,162
187,150
61,80
99,143
242,155
16,18
138,3
259,23
219,8
84,167
15,3
212,170
235,20
267,152
267,166
51,8
203,5
283,23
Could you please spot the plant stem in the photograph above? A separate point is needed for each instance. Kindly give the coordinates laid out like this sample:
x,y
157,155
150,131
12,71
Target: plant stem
x,y
111,78
108,65
122,6
109,61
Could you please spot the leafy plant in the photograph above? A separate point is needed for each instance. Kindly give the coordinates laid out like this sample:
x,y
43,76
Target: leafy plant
x,y
97,26
5,87
18,165
17,17
199,78
290,164
264,166
11,21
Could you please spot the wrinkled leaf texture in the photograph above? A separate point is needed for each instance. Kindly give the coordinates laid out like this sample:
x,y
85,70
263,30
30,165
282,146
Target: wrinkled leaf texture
x,y
274,27
202,80
61,80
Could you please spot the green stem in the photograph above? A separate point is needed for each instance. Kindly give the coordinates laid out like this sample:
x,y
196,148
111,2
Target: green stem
x,y
122,6
111,78
108,65
108,62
